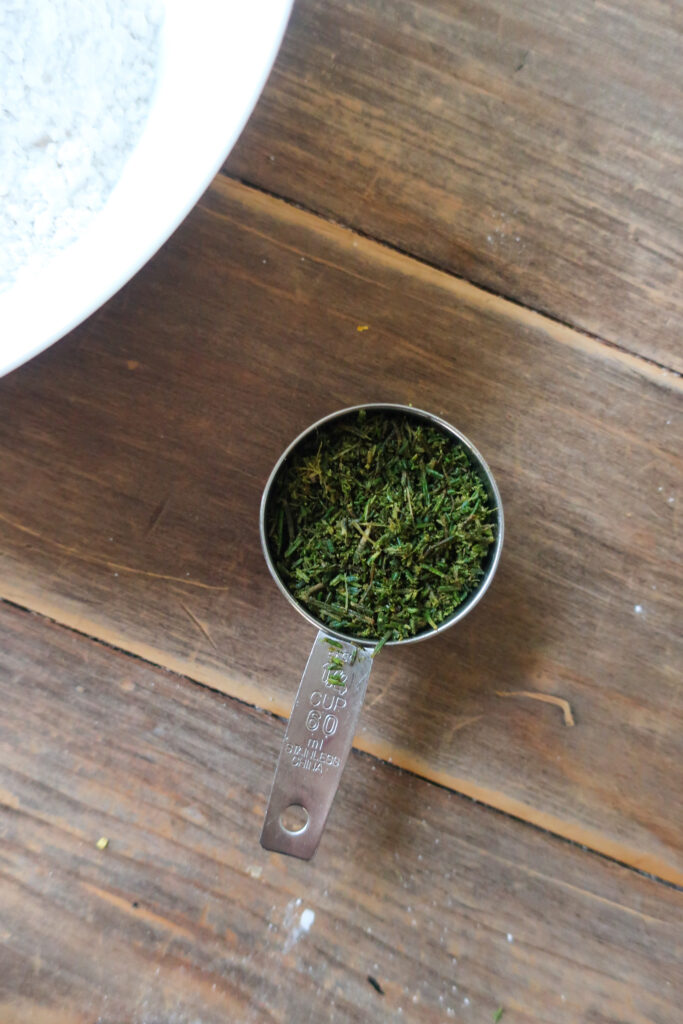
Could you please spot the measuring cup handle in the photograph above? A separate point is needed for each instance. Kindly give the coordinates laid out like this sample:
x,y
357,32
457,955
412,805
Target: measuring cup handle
x,y
316,745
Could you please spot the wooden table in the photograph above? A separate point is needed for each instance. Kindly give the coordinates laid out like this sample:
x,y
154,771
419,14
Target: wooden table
x,y
492,193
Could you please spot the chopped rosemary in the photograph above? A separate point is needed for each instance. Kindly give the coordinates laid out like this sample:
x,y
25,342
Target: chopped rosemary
x,y
380,526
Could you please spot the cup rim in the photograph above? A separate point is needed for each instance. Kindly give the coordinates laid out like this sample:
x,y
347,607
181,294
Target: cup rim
x,y
494,558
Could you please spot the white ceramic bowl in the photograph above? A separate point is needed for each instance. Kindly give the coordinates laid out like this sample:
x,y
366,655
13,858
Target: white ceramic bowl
x,y
215,58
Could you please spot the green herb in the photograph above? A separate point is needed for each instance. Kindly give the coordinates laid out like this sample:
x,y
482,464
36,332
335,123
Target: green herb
x,y
380,645
498,1014
380,526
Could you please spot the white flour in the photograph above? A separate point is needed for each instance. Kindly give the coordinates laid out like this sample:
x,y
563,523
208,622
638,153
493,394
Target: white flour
x,y
76,82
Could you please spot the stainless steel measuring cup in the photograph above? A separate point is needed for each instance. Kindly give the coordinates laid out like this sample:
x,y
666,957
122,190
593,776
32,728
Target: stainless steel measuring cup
x,y
323,720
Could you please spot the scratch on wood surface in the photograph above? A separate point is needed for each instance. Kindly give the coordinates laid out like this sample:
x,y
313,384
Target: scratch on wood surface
x,y
96,560
461,723
379,696
149,917
584,892
367,191
547,698
200,625
156,515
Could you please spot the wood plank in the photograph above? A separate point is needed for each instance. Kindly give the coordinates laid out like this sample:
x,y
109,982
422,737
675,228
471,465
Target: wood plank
x,y
453,909
134,454
533,148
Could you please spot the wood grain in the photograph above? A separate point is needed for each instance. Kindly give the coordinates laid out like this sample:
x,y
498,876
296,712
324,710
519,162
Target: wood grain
x,y
453,909
533,148
133,455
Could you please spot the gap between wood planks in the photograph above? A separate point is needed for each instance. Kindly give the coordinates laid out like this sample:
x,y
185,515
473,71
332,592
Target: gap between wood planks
x,y
649,368
378,750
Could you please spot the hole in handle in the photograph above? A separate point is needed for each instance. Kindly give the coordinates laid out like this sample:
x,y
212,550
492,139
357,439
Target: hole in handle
x,y
294,819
